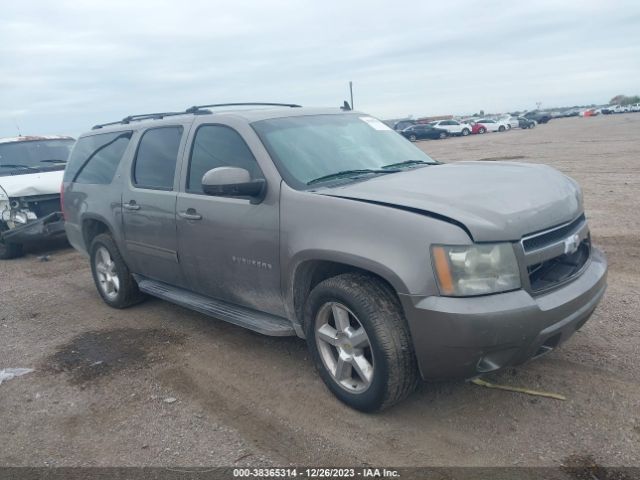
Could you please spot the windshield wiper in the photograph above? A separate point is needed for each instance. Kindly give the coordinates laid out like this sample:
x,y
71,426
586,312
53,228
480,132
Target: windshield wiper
x,y
17,165
54,160
347,173
407,163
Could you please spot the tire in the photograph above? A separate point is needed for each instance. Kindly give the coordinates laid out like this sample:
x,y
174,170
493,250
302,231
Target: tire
x,y
442,135
112,277
482,130
508,127
413,138
465,132
501,128
9,250
374,318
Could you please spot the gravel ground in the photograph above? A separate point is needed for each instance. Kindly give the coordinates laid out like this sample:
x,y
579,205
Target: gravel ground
x,y
160,385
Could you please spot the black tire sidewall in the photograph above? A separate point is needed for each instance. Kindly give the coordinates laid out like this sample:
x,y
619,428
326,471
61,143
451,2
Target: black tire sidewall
x,y
372,398
9,250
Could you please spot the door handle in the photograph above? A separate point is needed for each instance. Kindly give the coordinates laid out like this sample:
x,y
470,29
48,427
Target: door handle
x,y
132,205
190,214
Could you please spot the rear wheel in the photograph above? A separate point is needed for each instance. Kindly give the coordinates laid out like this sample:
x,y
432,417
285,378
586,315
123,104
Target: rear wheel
x,y
442,135
360,342
412,137
111,275
9,250
501,128
482,130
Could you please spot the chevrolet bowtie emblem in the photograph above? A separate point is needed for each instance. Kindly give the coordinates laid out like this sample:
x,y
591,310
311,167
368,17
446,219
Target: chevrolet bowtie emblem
x,y
571,244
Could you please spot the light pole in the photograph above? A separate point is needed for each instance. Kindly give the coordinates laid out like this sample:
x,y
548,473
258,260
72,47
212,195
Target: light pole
x,y
351,92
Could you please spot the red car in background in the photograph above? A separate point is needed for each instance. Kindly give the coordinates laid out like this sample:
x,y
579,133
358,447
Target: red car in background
x,y
477,127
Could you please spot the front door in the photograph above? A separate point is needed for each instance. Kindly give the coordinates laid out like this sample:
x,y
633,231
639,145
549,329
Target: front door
x,y
228,247
149,205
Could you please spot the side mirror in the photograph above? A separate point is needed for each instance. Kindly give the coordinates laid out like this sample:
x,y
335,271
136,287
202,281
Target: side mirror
x,y
232,182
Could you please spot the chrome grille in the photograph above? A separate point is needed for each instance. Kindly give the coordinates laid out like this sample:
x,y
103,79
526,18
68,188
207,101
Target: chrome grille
x,y
552,257
559,269
549,237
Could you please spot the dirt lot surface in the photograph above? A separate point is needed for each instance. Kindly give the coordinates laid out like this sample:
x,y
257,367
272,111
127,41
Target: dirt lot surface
x,y
160,385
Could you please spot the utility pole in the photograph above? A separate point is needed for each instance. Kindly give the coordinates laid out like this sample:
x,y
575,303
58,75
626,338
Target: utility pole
x,y
351,92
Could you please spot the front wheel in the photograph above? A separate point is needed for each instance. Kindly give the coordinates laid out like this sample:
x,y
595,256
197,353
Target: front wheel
x,y
413,138
442,135
482,130
359,342
501,128
9,250
465,132
111,275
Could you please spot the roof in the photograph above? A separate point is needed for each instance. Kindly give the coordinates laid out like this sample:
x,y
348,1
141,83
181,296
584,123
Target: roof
x,y
34,138
248,115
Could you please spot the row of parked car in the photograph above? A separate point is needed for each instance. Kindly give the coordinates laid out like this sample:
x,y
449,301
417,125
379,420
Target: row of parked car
x,y
440,129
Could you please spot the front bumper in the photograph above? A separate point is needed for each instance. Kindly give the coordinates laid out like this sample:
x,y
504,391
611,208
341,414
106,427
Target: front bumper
x,y
465,337
45,227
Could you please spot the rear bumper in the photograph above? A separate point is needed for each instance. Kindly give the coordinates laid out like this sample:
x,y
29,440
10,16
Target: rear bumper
x,y
465,337
45,227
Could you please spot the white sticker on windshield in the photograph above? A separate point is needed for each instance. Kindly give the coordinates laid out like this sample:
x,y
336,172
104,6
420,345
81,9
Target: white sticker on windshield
x,y
374,123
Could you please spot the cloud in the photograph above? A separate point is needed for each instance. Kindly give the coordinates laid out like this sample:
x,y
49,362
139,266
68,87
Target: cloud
x,y
67,65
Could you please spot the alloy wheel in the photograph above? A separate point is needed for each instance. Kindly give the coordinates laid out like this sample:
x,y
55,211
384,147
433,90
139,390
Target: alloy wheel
x,y
106,272
344,347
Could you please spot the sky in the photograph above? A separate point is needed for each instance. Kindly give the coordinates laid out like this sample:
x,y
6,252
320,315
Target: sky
x,y
66,65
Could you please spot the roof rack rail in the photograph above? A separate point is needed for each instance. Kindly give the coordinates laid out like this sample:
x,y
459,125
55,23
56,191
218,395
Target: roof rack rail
x,y
196,109
199,108
142,116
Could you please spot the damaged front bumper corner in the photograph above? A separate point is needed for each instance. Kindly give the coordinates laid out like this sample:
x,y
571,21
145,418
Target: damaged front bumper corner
x,y
45,227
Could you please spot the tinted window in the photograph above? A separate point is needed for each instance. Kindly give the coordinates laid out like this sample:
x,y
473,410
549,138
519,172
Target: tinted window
x,y
41,154
95,159
155,164
218,146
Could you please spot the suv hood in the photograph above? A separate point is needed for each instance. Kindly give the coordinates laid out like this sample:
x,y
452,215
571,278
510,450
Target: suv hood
x,y
495,201
29,184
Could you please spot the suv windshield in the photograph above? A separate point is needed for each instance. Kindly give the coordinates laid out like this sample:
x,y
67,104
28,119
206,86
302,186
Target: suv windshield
x,y
307,148
34,154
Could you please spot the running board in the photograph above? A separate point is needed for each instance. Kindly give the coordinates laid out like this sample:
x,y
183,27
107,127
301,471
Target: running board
x,y
243,317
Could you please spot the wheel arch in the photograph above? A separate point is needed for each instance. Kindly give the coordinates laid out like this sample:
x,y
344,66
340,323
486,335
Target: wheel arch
x,y
92,226
310,270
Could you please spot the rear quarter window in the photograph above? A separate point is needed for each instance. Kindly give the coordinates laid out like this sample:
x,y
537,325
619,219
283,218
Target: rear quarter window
x,y
95,159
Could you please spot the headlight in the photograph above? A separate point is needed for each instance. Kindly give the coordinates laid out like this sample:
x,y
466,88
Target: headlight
x,y
466,270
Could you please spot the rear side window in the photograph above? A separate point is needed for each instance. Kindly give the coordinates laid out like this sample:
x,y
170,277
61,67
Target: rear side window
x,y
218,146
95,159
155,163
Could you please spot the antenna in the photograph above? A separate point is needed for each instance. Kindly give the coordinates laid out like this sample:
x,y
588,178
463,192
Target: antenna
x,y
17,126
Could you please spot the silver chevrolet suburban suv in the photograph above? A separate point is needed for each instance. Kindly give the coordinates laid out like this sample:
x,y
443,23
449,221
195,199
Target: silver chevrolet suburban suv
x,y
328,225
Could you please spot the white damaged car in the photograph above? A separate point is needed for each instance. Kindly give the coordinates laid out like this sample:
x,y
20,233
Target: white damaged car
x,y
31,170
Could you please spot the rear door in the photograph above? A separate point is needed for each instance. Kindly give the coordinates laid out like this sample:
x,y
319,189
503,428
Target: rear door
x,y
149,204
